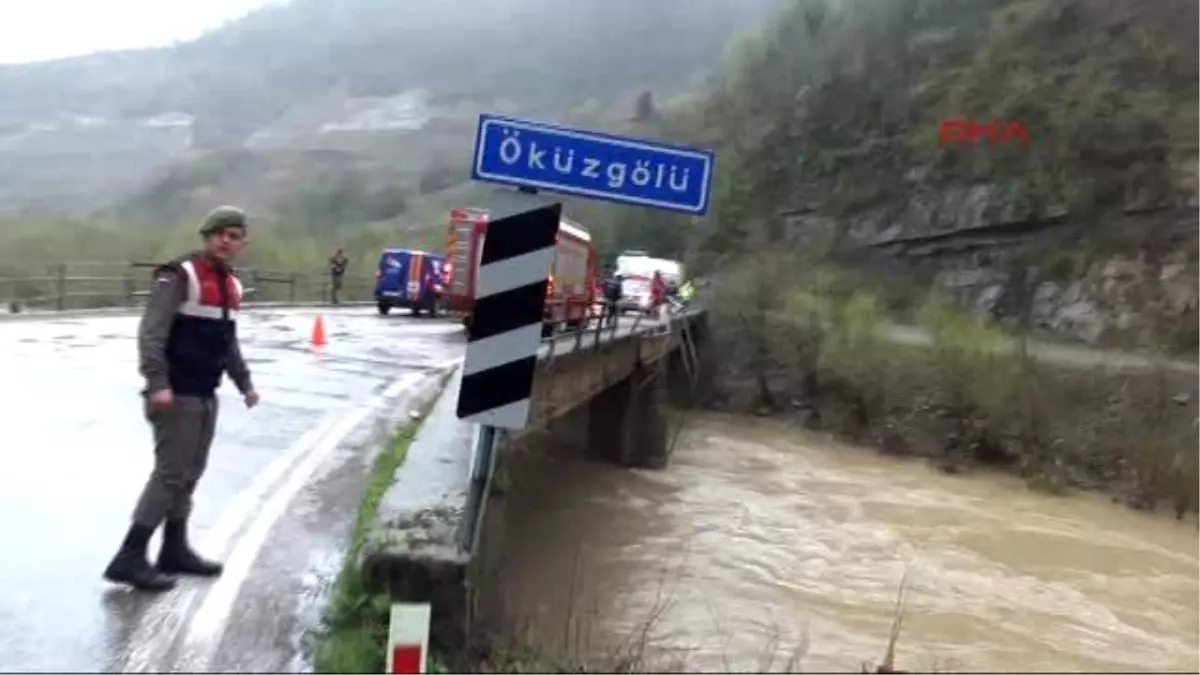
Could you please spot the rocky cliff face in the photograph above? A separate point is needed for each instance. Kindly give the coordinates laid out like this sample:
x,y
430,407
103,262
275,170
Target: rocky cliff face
x,y
1125,277
1129,300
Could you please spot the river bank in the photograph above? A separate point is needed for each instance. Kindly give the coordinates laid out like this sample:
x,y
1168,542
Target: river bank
x,y
816,355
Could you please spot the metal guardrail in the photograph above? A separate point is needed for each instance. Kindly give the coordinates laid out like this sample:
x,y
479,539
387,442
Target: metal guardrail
x,y
591,333
87,285
99,286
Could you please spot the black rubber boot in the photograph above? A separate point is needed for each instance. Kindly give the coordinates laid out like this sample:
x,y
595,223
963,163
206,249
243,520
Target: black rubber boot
x,y
177,557
131,567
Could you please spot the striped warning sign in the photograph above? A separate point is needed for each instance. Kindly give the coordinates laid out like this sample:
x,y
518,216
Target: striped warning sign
x,y
408,638
506,322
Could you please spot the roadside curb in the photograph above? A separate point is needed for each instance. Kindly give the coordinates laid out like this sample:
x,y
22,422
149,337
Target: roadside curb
x,y
411,550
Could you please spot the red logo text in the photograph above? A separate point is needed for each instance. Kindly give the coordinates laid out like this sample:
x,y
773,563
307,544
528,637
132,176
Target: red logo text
x,y
970,131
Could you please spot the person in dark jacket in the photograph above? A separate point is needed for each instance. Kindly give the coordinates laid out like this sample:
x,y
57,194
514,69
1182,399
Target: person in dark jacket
x,y
612,297
187,341
337,270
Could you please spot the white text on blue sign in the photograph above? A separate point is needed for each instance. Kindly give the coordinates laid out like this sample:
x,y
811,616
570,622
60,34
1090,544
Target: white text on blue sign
x,y
532,154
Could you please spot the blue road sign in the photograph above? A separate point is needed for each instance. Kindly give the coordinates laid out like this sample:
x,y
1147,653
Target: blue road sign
x,y
590,164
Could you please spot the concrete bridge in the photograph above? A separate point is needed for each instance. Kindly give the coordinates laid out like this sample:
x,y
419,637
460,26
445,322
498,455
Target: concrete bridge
x,y
603,389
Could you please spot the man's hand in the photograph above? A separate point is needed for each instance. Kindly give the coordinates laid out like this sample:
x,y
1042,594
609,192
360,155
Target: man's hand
x,y
251,398
162,400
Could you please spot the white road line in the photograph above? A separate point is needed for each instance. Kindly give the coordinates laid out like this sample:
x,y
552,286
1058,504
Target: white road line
x,y
162,622
206,626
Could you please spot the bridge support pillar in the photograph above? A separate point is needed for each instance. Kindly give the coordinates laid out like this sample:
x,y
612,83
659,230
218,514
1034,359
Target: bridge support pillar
x,y
627,422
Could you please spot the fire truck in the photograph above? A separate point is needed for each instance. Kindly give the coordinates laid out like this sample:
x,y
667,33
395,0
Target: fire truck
x,y
571,279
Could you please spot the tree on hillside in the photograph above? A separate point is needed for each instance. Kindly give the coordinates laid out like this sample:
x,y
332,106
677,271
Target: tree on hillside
x,y
345,199
438,178
645,110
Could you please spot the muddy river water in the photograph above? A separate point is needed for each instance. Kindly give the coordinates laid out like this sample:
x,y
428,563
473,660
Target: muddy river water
x,y
764,547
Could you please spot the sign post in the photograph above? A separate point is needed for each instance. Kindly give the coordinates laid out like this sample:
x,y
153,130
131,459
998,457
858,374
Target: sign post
x,y
529,154
505,331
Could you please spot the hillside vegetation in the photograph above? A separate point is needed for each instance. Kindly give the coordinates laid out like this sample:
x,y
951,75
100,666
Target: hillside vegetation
x,y
832,112
826,130
835,110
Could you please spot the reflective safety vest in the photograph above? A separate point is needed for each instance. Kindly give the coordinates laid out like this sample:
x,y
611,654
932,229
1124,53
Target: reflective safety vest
x,y
204,327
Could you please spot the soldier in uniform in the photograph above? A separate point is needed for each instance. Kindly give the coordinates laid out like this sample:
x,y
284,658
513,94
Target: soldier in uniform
x,y
186,341
337,270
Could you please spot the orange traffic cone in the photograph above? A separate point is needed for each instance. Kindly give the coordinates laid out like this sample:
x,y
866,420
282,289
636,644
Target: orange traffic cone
x,y
318,333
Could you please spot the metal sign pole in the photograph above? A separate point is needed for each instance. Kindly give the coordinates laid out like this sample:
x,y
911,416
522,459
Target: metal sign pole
x,y
482,466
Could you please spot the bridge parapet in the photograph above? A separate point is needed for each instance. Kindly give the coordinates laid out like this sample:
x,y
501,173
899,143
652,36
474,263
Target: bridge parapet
x,y
574,369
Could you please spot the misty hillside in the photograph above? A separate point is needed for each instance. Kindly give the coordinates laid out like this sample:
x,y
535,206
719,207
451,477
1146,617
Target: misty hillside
x,y
287,73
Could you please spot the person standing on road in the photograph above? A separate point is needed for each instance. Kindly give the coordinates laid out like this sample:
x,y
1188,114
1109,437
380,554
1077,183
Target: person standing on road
x,y
337,270
658,292
186,341
687,292
612,298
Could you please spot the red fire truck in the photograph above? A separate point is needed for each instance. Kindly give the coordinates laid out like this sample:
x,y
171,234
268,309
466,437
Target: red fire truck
x,y
571,280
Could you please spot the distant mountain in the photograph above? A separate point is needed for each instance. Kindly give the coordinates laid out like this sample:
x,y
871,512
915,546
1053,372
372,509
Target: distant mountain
x,y
73,129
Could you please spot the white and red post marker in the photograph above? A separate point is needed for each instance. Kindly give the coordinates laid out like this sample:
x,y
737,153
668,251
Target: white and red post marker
x,y
408,638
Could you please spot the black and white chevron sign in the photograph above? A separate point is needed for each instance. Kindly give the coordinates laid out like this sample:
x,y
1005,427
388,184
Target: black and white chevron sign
x,y
506,323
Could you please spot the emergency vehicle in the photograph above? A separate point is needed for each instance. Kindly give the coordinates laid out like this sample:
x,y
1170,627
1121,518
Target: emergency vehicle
x,y
571,286
409,279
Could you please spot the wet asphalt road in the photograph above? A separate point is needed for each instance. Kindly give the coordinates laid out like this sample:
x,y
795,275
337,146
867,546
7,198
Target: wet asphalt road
x,y
276,503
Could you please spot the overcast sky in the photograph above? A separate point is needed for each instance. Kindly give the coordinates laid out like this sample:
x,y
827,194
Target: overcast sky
x,y
36,30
